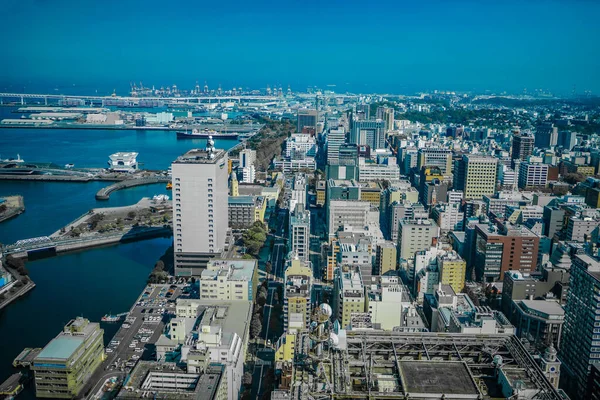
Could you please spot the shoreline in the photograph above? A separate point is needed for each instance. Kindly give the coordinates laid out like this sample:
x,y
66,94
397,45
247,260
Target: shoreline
x,y
226,132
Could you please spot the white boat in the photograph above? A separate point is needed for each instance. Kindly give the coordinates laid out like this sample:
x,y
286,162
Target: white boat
x,y
69,166
13,160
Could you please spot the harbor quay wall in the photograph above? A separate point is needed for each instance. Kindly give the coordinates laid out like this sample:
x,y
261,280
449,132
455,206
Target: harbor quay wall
x,y
66,246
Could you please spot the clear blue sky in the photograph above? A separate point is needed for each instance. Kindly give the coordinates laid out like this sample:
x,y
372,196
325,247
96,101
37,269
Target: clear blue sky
x,y
361,46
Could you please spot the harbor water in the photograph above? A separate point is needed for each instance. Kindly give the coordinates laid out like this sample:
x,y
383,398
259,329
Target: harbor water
x,y
90,148
91,282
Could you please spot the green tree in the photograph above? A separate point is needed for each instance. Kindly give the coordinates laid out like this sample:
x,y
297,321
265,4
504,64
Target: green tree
x,y
247,379
255,326
263,292
261,300
573,178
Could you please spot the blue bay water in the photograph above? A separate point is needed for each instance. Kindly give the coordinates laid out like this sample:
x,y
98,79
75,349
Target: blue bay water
x,y
90,148
89,283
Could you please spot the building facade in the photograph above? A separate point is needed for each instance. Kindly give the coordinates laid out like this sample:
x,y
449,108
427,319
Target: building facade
x,y
498,251
415,235
229,280
475,175
200,207
66,364
579,346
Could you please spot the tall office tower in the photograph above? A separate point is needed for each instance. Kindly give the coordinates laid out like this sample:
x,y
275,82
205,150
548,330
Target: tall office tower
x,y
475,175
363,111
200,214
407,158
522,145
335,138
496,251
346,213
307,118
567,139
347,164
247,158
298,278
452,270
553,220
369,132
386,114
348,294
386,258
546,135
532,175
415,235
579,347
348,154
435,157
66,364
300,232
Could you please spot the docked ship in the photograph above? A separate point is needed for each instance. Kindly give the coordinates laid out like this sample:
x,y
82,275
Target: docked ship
x,y
196,134
113,318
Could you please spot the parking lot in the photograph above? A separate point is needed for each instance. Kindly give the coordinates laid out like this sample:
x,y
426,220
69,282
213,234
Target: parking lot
x,y
142,327
140,330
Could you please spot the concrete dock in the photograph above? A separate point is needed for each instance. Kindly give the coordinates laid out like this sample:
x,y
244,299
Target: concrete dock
x,y
104,193
14,206
46,178
20,292
12,386
26,357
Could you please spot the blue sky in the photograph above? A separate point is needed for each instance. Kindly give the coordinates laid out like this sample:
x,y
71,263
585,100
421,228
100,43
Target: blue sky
x,y
361,46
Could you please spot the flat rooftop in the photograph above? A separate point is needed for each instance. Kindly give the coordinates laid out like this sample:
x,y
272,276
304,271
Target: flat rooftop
x,y
148,376
61,347
242,200
201,156
237,316
543,307
431,377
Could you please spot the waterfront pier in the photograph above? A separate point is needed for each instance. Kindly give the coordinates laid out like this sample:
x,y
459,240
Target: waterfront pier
x,y
10,207
22,98
104,193
26,357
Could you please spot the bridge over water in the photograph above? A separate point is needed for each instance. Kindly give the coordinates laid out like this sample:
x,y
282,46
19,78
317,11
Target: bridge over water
x,y
45,246
22,97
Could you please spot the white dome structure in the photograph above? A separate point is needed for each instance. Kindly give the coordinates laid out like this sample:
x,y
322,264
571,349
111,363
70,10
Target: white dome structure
x,y
326,309
334,339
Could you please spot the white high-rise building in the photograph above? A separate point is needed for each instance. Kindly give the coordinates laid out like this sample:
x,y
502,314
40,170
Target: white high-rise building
x,y
247,158
346,213
200,215
300,232
299,146
248,174
415,235
335,138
